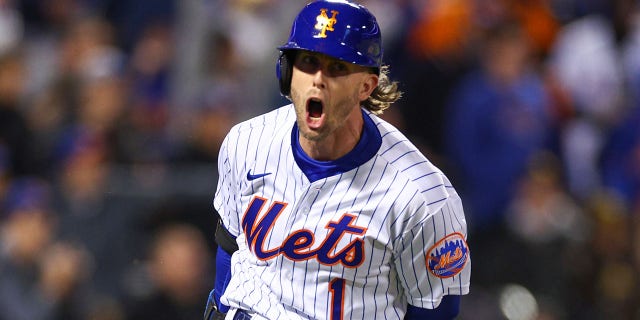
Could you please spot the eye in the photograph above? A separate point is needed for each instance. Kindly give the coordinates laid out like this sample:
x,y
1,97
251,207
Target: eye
x,y
309,59
307,63
338,68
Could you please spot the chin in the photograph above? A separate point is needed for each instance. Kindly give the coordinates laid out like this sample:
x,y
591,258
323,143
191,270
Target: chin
x,y
310,134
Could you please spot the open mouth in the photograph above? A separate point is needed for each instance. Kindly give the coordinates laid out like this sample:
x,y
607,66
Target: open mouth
x,y
314,108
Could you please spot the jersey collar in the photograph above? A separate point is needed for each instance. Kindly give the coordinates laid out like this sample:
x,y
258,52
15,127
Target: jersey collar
x,y
365,149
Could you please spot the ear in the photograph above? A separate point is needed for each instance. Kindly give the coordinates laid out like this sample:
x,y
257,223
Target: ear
x,y
369,83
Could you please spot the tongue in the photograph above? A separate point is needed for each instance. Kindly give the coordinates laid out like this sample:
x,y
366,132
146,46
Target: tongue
x,y
315,109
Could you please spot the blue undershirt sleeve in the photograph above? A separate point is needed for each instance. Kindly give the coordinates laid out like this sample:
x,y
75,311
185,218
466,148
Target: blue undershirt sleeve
x,y
223,275
448,309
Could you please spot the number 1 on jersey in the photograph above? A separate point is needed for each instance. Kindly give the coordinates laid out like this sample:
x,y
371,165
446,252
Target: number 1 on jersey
x,y
336,288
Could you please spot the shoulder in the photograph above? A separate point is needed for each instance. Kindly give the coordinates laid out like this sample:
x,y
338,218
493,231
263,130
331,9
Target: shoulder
x,y
268,121
260,128
254,136
413,167
401,154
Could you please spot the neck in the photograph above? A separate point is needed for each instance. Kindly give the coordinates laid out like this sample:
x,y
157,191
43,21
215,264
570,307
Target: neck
x,y
335,145
366,148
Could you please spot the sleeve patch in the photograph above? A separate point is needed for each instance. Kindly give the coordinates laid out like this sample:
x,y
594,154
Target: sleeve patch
x,y
448,256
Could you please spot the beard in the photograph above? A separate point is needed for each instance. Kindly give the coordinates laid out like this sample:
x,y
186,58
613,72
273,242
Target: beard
x,y
335,115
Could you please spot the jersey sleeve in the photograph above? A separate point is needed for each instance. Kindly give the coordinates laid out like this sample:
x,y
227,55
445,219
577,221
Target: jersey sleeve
x,y
433,257
224,199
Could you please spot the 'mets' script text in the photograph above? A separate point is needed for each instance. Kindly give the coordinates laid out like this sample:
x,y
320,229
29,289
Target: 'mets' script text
x,y
298,244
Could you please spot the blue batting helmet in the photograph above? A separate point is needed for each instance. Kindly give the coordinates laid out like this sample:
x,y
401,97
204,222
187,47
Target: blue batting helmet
x,y
337,28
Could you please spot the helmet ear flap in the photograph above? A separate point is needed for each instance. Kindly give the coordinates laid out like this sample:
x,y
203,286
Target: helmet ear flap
x,y
283,71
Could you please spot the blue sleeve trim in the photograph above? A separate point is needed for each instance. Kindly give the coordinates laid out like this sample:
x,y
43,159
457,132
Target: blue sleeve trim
x,y
448,309
223,275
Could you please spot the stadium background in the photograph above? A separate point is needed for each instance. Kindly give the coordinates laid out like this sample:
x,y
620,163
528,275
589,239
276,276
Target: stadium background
x,y
111,113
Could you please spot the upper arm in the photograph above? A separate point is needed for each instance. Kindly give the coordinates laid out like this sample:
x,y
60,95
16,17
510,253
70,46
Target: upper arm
x,y
433,258
224,200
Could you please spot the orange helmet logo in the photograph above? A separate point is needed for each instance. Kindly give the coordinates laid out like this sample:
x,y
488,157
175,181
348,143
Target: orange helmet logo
x,y
324,23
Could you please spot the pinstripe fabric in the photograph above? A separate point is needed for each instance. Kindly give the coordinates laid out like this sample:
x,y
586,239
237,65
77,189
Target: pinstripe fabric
x,y
397,205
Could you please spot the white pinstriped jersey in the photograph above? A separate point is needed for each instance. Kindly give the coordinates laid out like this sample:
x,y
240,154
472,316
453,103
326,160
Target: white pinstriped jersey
x,y
360,243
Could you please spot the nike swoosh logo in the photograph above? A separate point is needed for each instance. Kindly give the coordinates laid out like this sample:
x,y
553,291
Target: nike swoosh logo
x,y
251,177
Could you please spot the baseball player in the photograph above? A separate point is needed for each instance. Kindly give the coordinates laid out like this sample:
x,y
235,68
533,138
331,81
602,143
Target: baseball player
x,y
327,211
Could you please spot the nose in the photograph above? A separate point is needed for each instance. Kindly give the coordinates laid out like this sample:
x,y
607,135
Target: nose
x,y
319,79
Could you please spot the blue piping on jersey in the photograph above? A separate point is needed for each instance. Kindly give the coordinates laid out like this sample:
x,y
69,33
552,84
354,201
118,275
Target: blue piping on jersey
x,y
365,149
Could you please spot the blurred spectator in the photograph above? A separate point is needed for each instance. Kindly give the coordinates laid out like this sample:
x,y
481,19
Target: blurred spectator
x,y
11,26
64,270
45,16
5,174
256,51
635,247
496,122
539,23
27,228
145,129
89,49
441,47
585,61
542,211
621,161
91,214
39,277
218,101
15,134
630,50
131,18
546,223
429,60
47,24
101,111
49,116
178,267
429,36
82,166
85,93
209,127
245,17
608,286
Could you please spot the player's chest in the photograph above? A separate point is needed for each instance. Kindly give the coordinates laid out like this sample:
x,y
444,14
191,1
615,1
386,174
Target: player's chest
x,y
331,222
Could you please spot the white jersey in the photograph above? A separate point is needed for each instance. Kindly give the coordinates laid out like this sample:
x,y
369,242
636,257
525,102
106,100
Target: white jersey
x,y
359,243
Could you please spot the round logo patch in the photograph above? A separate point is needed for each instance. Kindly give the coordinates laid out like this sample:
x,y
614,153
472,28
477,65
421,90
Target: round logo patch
x,y
448,256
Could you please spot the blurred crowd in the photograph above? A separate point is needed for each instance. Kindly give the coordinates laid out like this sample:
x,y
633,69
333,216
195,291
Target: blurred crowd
x,y
112,112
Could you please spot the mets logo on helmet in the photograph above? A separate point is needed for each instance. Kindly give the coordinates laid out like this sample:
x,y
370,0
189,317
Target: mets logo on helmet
x,y
448,256
324,23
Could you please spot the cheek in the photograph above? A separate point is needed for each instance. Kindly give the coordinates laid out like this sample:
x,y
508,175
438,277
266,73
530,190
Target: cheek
x,y
295,89
351,88
296,98
352,96
298,79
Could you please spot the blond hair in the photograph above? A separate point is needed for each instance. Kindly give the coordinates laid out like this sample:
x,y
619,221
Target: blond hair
x,y
384,94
